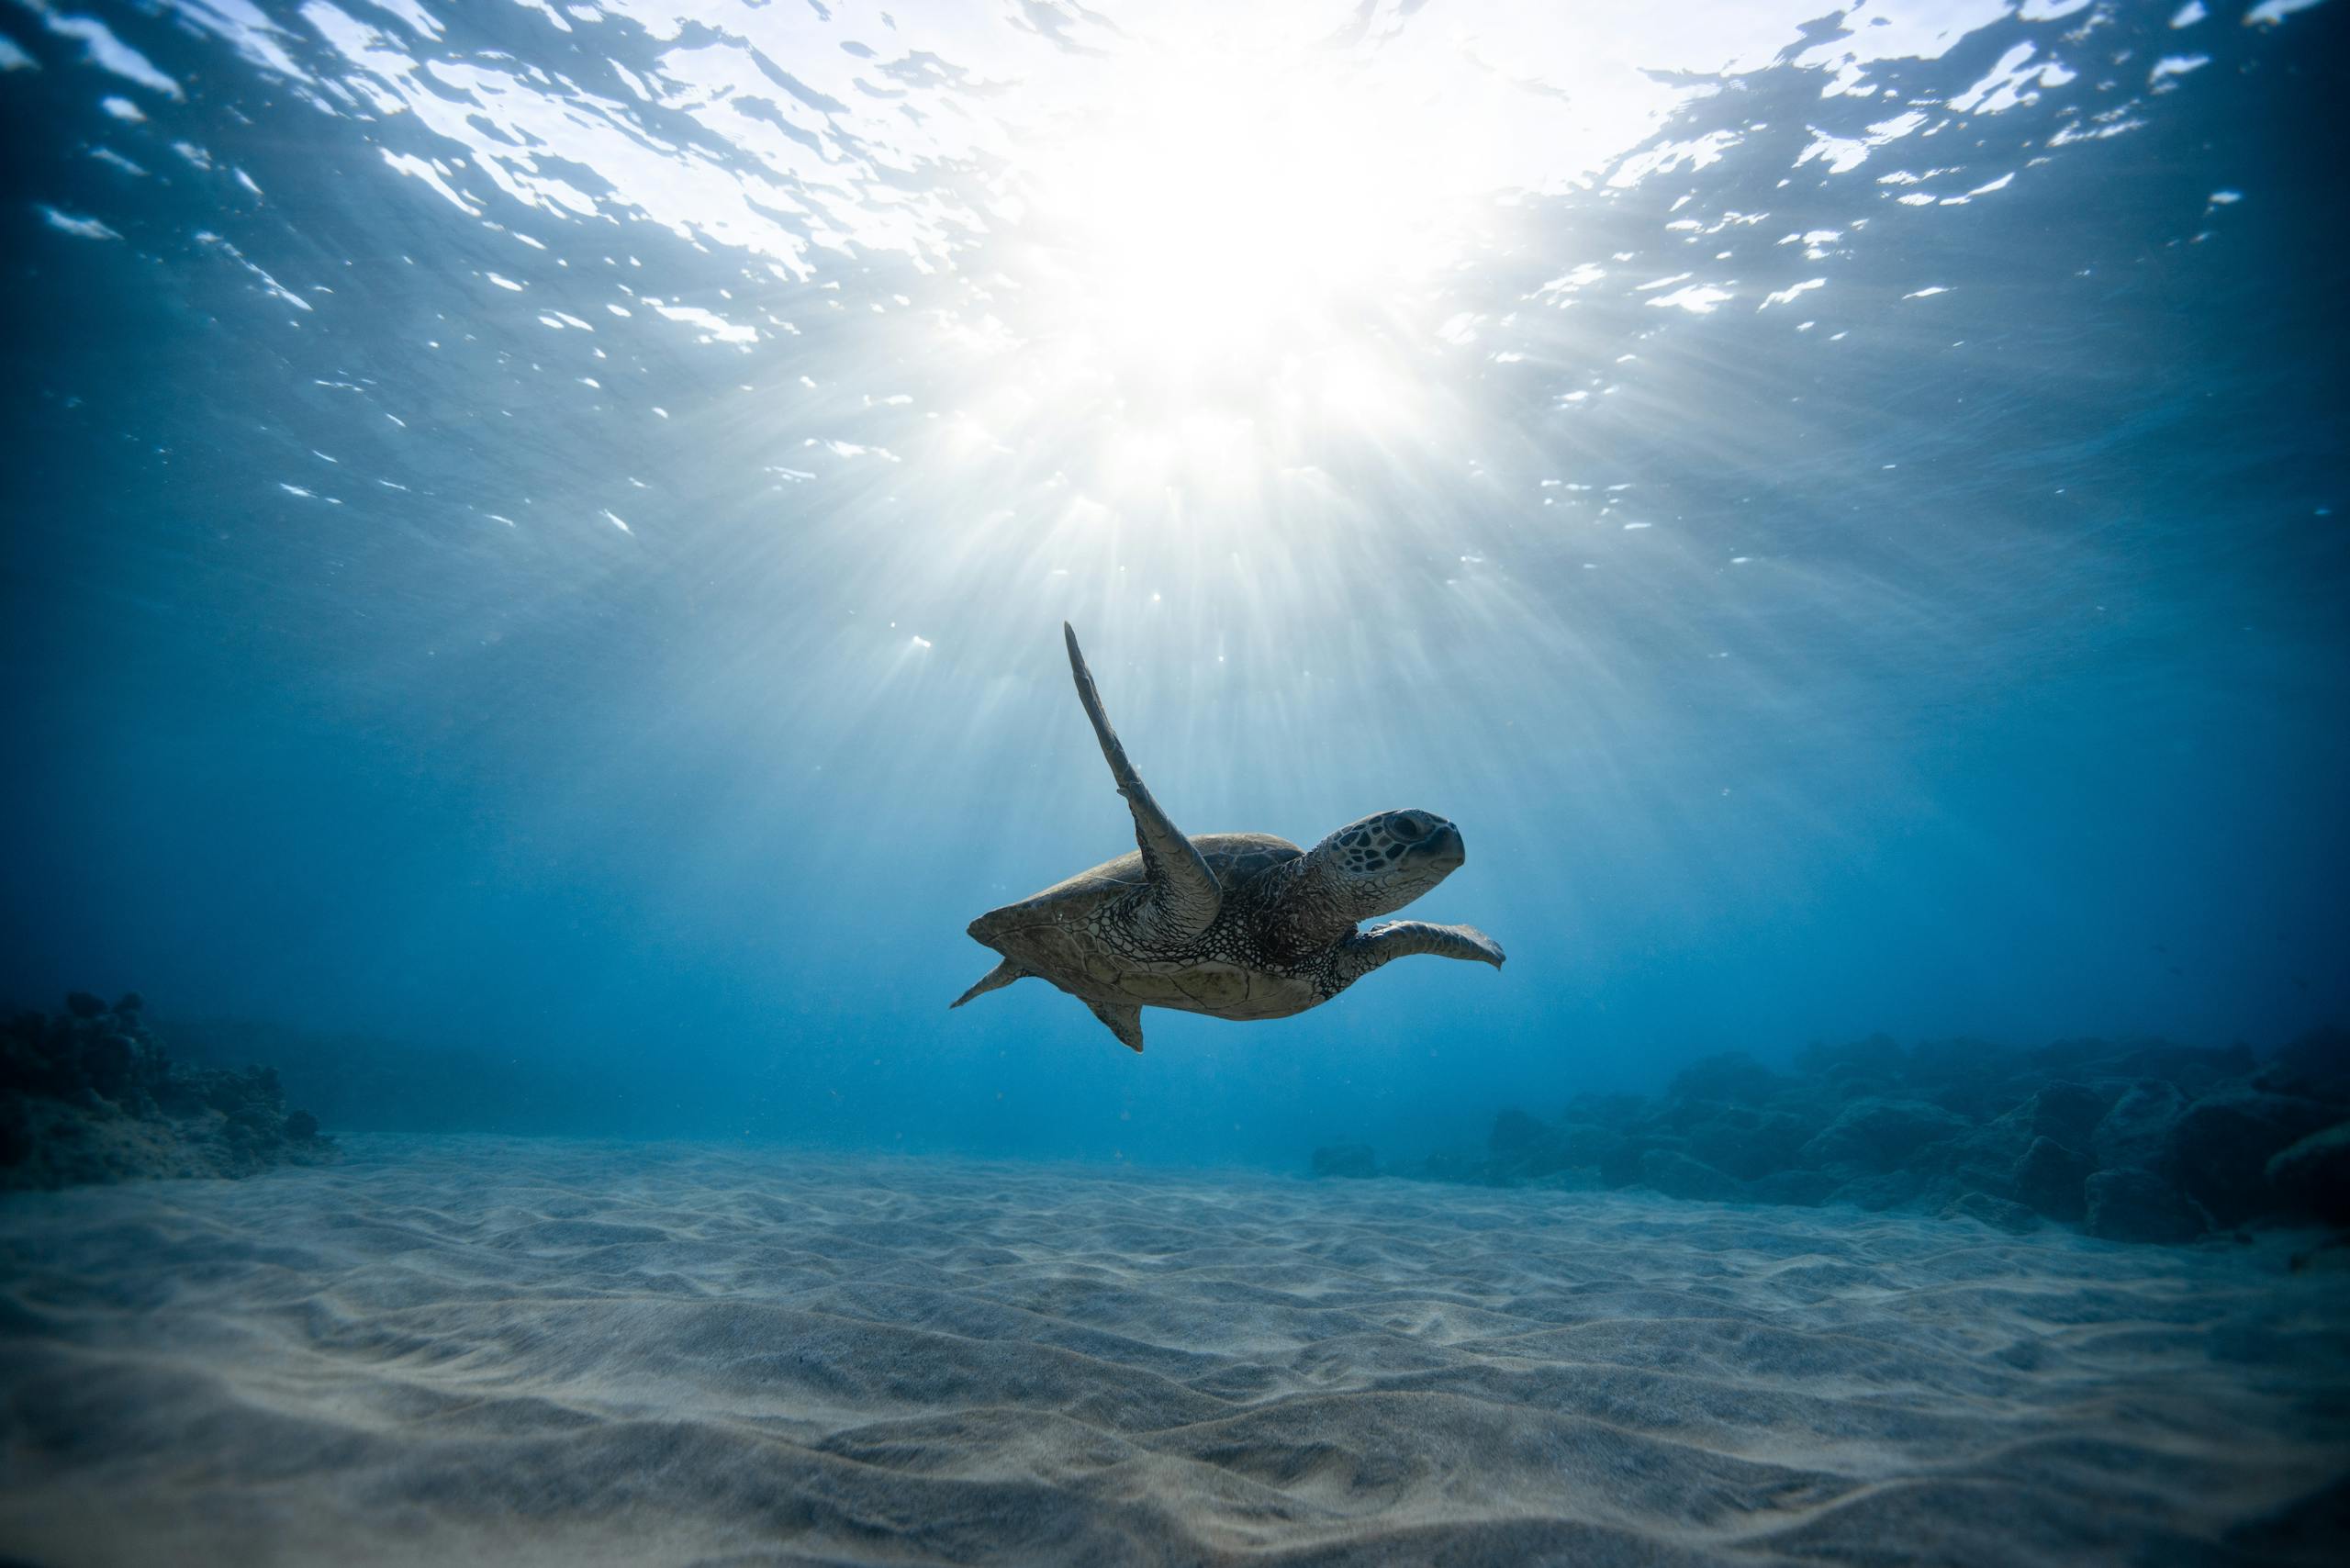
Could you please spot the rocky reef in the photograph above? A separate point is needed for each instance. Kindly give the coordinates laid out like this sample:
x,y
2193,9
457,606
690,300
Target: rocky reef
x,y
2132,1142
88,1094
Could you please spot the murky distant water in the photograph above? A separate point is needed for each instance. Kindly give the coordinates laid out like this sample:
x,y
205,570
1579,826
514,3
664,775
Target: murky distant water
x,y
539,530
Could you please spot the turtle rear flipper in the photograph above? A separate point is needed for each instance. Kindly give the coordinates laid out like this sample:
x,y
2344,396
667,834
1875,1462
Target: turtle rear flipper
x,y
1123,1019
1182,898
996,979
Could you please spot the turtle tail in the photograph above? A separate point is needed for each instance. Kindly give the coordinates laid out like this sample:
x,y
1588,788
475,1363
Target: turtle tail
x,y
996,979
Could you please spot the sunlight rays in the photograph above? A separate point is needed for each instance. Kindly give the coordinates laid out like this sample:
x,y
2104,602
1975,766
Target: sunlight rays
x,y
1343,363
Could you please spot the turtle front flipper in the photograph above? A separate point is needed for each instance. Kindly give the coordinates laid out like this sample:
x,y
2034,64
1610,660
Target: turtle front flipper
x,y
1182,897
1359,954
1123,1019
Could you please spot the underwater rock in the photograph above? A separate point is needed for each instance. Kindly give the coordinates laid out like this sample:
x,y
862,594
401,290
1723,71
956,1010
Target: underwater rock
x,y
1732,1077
1514,1130
2137,1205
1580,1144
1949,1073
2066,1111
1885,1190
1676,1175
2051,1179
1876,1134
2331,1256
1981,1160
2221,1147
1983,1150
1747,1141
2192,1070
1959,1127
1998,1213
1855,1065
89,1095
1621,1165
1518,1148
2313,1175
1346,1159
2316,1064
2135,1134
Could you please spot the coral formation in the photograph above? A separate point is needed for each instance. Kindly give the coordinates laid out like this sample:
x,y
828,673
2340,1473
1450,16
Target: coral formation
x,y
89,1095
2133,1142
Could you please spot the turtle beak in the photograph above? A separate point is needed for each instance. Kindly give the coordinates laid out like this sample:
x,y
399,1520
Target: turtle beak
x,y
1444,846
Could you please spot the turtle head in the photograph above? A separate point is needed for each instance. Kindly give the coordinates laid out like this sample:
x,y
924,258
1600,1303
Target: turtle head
x,y
1376,866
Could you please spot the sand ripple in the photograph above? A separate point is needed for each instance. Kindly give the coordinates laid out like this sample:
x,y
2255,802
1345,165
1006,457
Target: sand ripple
x,y
533,1351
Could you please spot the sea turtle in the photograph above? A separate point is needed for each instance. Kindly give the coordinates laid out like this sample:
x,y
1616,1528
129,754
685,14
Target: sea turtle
x,y
1232,924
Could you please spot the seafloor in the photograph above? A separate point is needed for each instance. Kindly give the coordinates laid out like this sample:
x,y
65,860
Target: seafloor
x,y
523,1352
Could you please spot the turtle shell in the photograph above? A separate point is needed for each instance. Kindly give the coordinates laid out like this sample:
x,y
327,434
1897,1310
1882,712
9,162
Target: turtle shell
x,y
1053,933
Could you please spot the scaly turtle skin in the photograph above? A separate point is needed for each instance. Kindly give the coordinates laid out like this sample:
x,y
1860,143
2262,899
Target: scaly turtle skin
x,y
1233,925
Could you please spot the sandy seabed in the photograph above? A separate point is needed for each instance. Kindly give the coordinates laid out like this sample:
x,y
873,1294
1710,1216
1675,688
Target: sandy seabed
x,y
537,1351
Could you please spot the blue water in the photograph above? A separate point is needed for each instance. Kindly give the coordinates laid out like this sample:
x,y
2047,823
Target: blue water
x,y
540,532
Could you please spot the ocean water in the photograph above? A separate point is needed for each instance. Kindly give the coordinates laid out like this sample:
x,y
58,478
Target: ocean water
x,y
544,531
536,546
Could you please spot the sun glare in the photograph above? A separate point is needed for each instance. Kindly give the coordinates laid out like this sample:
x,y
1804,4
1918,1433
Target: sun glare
x,y
1220,261
1241,227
